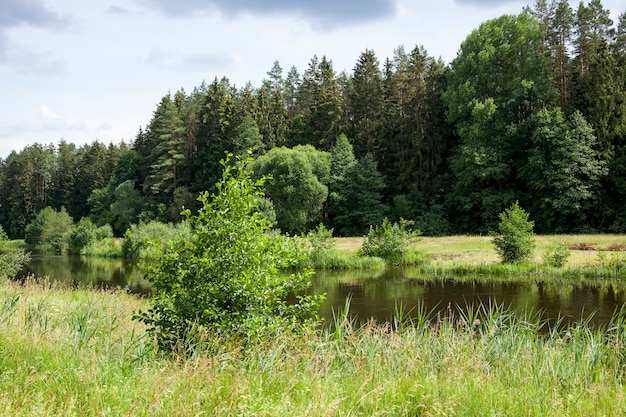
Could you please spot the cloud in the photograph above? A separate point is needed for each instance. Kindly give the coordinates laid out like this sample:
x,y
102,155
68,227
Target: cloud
x,y
30,13
320,13
30,62
171,60
117,10
46,125
121,11
489,3
46,121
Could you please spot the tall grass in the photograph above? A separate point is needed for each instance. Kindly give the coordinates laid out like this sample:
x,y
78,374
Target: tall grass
x,y
109,247
73,352
340,259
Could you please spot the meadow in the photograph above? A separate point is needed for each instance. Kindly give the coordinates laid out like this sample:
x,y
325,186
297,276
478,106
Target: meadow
x,y
477,250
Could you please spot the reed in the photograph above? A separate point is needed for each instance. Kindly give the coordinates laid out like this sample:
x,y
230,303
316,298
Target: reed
x,y
342,259
77,352
109,247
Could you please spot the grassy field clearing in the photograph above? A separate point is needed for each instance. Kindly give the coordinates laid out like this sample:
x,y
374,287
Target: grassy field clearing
x,y
477,250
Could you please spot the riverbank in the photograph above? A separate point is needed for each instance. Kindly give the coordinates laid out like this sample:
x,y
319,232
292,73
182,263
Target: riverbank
x,y
592,255
445,252
77,352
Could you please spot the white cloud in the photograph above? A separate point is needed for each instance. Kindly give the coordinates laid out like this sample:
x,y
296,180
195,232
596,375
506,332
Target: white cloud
x,y
319,13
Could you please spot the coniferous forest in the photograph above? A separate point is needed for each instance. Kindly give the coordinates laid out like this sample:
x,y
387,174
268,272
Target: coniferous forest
x,y
532,109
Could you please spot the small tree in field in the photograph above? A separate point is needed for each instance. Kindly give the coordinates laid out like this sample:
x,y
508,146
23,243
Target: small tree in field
x,y
516,241
226,277
389,240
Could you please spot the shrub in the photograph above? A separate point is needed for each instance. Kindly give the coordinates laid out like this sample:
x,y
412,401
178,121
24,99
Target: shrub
x,y
322,245
515,241
615,262
11,263
104,232
50,228
557,254
389,241
139,239
81,235
32,234
226,277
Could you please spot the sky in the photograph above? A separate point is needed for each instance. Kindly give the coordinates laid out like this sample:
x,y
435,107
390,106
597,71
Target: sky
x,y
95,70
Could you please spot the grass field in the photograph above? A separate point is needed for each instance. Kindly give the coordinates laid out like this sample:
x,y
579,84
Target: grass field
x,y
477,250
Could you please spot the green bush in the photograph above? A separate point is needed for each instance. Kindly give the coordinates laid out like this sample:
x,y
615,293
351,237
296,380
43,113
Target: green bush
x,y
228,277
50,228
389,241
615,262
12,262
81,235
32,234
557,254
139,239
515,241
104,232
322,245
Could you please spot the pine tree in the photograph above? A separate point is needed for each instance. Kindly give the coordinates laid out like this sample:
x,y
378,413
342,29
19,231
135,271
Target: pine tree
x,y
359,205
168,133
365,108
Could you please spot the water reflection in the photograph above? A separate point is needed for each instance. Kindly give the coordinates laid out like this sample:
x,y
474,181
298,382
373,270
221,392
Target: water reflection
x,y
87,272
377,294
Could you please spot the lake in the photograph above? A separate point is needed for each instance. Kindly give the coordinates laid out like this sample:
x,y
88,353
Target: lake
x,y
377,294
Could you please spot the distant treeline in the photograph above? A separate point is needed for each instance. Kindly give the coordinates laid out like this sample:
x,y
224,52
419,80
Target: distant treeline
x,y
533,109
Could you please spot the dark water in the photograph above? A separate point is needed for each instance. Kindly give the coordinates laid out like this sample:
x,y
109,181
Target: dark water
x,y
87,272
379,294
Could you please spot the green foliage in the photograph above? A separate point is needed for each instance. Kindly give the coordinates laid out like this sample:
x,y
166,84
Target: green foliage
x,y
49,228
55,230
430,220
563,169
557,254
322,244
227,277
358,202
104,232
3,234
297,187
81,235
126,205
612,261
389,240
32,234
365,94
486,107
515,241
12,262
139,239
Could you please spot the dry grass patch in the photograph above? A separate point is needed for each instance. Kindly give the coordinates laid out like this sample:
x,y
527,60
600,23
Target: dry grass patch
x,y
351,244
478,250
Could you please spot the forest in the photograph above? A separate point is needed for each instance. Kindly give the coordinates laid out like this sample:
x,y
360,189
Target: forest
x,y
532,109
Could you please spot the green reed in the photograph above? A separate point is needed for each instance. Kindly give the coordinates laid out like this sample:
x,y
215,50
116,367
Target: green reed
x,y
77,352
